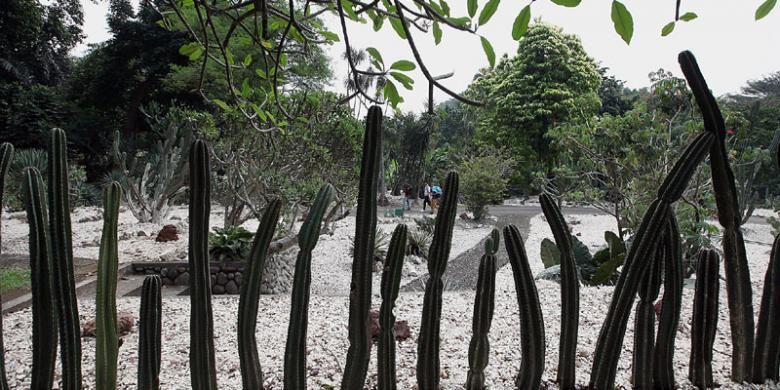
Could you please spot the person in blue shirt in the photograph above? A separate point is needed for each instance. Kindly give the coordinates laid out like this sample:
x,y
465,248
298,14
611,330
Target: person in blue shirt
x,y
436,195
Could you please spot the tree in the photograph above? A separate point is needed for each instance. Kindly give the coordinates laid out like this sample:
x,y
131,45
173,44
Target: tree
x,y
616,99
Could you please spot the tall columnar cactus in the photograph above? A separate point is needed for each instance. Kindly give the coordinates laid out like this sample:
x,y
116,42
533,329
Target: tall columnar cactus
x,y
767,353
295,350
391,280
107,344
251,372
44,332
149,334
738,288
532,345
636,265
479,348
705,319
644,322
438,255
570,293
663,359
6,156
359,352
62,261
202,364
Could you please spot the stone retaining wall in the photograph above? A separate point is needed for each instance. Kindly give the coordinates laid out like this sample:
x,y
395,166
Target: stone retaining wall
x,y
225,277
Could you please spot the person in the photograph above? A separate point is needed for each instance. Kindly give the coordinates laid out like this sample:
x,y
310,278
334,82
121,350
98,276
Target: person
x,y
436,195
408,196
427,196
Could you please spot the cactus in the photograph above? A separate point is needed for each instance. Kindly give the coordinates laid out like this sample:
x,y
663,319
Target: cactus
x,y
531,321
767,353
738,288
705,319
44,332
359,351
251,372
202,365
484,303
648,236
295,350
62,261
391,280
6,156
149,347
570,293
438,255
493,243
644,322
663,368
107,344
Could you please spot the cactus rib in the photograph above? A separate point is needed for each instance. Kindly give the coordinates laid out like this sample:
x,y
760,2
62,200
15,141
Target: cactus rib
x,y
149,329
644,322
295,350
202,363
62,261
44,334
531,321
484,303
705,319
570,293
359,351
107,344
391,280
767,353
663,369
6,156
439,252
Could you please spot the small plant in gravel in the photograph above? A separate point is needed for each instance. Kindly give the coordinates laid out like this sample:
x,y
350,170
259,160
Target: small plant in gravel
x,y
231,243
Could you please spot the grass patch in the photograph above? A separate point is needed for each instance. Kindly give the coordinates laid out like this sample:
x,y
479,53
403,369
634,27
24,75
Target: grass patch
x,y
12,278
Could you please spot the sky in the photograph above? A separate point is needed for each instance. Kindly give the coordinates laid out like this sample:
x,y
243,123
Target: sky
x,y
731,47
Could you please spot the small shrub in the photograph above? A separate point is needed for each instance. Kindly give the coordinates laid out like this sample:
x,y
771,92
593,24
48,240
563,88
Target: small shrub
x,y
230,244
381,241
418,241
483,181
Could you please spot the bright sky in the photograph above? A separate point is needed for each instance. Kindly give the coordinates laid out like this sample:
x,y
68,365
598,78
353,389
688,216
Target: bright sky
x,y
730,46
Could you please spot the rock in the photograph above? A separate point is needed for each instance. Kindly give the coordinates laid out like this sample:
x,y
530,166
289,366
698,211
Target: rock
x,y
141,233
218,289
168,233
231,275
464,216
238,278
222,278
401,329
125,236
378,266
183,279
231,287
553,273
124,326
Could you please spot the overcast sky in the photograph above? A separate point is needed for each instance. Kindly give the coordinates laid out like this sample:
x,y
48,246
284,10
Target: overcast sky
x,y
731,47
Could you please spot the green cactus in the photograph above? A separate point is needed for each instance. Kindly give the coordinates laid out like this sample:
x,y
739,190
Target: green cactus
x,y
644,322
705,319
202,364
295,350
251,372
532,342
479,348
738,288
663,367
149,329
767,353
62,261
107,344
359,352
493,243
44,332
438,255
570,293
391,280
6,156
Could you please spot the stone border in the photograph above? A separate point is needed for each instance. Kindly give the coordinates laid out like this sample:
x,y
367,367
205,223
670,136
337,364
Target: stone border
x,y
225,277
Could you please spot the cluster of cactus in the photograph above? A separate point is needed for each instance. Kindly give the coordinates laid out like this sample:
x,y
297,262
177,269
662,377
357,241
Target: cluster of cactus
x,y
654,259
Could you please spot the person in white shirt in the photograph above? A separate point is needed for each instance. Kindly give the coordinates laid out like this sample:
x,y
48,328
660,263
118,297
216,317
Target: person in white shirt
x,y
427,196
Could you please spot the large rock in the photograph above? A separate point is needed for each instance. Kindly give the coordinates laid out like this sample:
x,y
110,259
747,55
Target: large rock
x,y
278,272
231,287
168,233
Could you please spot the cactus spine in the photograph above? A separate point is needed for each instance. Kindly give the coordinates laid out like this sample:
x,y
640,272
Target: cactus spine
x,y
295,350
44,338
251,372
391,280
149,346
479,348
107,344
6,156
62,261
531,321
644,323
202,364
767,353
663,368
570,293
359,351
738,288
428,341
705,319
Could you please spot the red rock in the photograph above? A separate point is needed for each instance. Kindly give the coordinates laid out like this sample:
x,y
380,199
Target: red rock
x,y
400,328
168,233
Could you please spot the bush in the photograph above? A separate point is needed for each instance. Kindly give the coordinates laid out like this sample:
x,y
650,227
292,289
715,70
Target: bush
x,y
483,181
230,244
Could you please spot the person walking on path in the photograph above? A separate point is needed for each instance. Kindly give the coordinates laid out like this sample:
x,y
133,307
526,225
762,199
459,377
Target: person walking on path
x,y
436,193
408,196
427,196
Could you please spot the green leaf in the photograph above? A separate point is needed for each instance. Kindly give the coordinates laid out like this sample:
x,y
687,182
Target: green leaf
x,y
765,8
488,11
667,29
261,73
472,7
247,60
222,104
391,94
399,29
246,90
436,33
403,65
489,52
688,16
349,9
460,22
330,36
549,253
379,21
445,7
520,27
229,55
192,50
407,81
567,3
374,53
624,22
283,59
